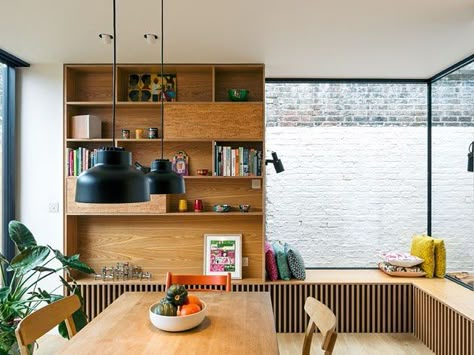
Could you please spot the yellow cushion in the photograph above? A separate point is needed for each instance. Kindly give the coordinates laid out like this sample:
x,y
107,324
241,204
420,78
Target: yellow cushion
x,y
440,257
423,247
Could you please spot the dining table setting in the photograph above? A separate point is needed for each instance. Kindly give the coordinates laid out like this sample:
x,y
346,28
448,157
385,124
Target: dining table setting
x,y
233,323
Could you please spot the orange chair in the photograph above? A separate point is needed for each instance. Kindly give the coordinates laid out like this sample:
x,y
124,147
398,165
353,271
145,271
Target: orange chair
x,y
200,282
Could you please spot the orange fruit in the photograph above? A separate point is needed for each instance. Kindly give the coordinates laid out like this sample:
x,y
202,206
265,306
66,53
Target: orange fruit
x,y
192,299
188,309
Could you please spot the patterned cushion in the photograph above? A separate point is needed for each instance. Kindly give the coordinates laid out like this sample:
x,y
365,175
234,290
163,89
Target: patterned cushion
x,y
270,262
401,259
282,263
440,258
423,247
394,270
295,262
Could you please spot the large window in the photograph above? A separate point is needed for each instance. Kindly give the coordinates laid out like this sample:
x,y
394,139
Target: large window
x,y
2,99
355,156
8,65
453,184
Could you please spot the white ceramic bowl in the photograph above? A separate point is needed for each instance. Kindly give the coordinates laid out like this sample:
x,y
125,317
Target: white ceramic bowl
x,y
178,323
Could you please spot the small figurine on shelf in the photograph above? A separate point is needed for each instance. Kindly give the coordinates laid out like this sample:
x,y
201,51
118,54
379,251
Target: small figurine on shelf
x,y
181,163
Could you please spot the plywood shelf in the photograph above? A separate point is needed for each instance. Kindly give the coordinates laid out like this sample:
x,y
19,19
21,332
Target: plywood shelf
x,y
153,234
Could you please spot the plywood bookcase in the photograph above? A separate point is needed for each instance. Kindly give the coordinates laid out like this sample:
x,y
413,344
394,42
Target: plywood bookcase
x,y
155,235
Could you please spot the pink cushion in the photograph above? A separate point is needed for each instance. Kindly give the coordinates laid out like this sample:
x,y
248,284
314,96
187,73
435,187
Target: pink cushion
x,y
270,262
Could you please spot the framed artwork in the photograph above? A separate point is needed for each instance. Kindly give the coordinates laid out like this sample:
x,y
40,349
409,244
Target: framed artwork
x,y
149,87
180,163
223,254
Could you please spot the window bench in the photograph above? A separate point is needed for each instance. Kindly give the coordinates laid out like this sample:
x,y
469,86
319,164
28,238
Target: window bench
x,y
439,312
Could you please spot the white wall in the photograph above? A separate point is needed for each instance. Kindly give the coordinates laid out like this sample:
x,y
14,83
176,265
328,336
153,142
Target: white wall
x,y
348,193
40,92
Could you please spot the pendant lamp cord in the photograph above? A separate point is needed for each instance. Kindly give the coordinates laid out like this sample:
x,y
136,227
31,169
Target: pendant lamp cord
x,y
114,87
162,85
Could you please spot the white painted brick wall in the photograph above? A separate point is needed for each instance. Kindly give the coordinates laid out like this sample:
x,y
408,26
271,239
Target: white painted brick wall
x,y
453,195
349,193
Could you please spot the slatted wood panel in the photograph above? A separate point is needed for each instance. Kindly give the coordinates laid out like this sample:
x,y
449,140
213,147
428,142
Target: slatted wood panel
x,y
440,328
377,308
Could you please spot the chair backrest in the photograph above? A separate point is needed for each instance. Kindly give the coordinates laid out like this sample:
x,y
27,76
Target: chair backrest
x,y
324,319
41,321
200,282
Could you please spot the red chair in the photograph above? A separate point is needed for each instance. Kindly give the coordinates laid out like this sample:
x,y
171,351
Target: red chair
x,y
200,282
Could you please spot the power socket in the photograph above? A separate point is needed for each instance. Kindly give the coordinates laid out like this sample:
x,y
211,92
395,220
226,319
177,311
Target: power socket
x,y
53,207
245,261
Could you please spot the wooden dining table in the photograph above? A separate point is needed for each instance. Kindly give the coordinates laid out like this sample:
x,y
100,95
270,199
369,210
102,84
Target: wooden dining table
x,y
236,323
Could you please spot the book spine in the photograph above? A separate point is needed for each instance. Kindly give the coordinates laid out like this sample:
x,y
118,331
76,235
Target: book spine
x,y
245,165
259,163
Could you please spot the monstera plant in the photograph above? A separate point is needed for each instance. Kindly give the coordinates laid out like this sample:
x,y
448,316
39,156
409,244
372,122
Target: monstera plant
x,y
20,292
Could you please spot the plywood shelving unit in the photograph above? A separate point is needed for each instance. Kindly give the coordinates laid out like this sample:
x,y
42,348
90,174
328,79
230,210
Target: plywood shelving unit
x,y
155,235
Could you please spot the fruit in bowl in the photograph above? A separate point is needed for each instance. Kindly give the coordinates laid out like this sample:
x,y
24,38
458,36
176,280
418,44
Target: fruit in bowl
x,y
178,311
202,172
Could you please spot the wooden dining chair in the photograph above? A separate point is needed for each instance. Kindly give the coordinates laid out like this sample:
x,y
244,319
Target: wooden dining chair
x,y
323,318
200,282
44,319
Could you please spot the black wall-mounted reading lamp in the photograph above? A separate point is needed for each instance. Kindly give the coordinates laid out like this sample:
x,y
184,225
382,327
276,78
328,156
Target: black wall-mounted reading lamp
x,y
277,164
470,158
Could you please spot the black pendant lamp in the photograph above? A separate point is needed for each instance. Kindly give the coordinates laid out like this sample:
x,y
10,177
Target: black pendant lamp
x,y
112,179
470,158
162,179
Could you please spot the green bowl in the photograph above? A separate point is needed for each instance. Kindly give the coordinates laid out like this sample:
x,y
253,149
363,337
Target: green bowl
x,y
238,94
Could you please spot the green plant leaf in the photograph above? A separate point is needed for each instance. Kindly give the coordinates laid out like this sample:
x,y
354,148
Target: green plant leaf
x,y
73,262
80,321
42,269
4,292
29,258
21,235
3,259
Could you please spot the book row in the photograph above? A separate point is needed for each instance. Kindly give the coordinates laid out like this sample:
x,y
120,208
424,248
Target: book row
x,y
237,161
79,160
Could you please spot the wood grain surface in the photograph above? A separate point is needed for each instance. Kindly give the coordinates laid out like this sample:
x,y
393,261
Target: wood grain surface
x,y
236,323
164,243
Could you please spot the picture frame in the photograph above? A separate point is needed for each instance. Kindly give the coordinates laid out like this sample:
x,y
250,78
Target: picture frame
x,y
223,254
149,87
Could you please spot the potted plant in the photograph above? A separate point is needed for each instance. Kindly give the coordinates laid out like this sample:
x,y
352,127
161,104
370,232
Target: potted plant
x,y
20,294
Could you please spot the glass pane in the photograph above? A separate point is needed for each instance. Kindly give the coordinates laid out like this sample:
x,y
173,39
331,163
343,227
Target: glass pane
x,y
453,185
355,178
2,96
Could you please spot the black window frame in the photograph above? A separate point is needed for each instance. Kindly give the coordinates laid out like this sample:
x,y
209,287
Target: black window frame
x,y
9,147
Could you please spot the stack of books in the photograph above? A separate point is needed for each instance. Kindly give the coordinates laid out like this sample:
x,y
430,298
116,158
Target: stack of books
x,y
79,160
239,161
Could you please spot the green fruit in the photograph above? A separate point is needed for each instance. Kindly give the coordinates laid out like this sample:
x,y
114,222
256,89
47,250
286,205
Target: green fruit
x,y
176,295
166,309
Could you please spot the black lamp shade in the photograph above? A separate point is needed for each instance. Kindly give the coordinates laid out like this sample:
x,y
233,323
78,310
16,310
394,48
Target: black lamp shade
x,y
112,180
163,180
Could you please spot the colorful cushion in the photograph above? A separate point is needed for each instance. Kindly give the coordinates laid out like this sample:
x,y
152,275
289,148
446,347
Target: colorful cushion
x,y
423,247
393,270
282,262
401,259
295,262
270,262
440,257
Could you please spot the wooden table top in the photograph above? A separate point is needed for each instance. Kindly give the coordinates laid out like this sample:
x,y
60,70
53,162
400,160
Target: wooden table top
x,y
236,323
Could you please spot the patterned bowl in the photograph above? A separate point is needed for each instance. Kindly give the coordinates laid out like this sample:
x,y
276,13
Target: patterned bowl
x,y
222,208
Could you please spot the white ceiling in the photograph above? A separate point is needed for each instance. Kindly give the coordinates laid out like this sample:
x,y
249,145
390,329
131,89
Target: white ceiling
x,y
299,38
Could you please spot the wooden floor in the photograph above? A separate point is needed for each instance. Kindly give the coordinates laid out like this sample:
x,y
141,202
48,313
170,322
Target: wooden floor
x,y
291,344
356,344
